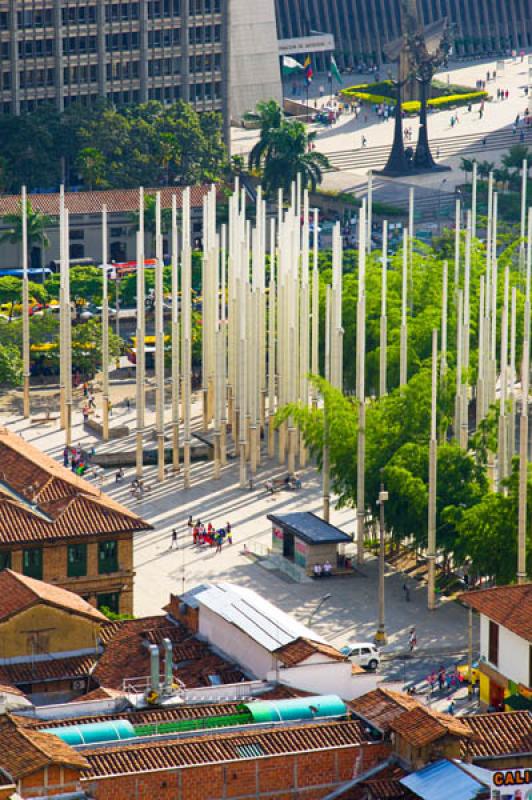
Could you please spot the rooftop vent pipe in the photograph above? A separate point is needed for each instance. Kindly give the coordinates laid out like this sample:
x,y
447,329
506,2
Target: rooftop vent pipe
x,y
154,669
168,666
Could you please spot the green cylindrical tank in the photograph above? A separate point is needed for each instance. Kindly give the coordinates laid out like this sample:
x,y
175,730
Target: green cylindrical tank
x,y
298,708
113,730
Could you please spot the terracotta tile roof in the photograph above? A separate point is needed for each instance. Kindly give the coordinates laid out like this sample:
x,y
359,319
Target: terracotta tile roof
x,y
40,500
381,706
300,649
18,592
117,200
498,734
510,606
421,726
384,785
171,753
126,655
101,693
25,751
51,670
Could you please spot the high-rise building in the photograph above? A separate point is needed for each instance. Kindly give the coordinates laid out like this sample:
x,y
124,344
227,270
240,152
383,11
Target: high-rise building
x,y
362,27
65,51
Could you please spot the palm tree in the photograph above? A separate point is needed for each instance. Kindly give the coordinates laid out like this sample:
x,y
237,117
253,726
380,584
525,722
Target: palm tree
x,y
290,154
36,224
269,117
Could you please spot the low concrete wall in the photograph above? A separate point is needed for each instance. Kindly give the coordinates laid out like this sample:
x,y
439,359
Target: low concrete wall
x,y
115,431
128,458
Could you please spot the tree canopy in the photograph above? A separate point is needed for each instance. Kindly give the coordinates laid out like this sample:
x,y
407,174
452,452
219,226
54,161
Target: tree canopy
x,y
150,144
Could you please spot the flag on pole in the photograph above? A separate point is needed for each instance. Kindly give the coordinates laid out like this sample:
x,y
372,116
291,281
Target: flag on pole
x,y
291,66
309,72
335,71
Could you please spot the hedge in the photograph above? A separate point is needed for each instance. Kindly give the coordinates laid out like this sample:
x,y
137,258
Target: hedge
x,y
413,106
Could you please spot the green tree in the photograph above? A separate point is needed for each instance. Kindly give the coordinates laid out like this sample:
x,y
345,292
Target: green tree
x,y
87,346
36,223
10,365
488,531
86,285
269,117
92,166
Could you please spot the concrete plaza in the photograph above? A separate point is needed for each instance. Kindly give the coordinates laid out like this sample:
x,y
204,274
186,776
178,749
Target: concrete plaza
x,y
351,611
347,133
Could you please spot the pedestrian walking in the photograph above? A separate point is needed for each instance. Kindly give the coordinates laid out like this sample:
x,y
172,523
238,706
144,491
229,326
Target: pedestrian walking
x,y
119,474
441,677
65,457
364,141
219,540
229,533
451,708
406,592
412,641
174,539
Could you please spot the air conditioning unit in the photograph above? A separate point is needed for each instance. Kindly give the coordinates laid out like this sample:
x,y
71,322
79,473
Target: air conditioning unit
x,y
79,684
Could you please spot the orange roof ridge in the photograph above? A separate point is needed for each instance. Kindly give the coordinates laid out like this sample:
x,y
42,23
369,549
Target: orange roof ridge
x,y
509,606
26,750
20,591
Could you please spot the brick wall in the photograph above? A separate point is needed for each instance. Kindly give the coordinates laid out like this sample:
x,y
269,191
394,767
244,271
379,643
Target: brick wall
x,y
303,776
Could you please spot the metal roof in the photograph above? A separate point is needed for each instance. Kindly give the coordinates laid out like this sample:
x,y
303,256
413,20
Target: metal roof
x,y
259,619
432,782
310,528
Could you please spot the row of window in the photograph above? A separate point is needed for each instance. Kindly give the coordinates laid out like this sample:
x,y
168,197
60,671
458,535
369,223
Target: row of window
x,y
33,48
205,62
32,560
205,34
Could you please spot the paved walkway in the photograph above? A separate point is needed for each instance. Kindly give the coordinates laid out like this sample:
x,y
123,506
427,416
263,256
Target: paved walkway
x,y
343,142
351,611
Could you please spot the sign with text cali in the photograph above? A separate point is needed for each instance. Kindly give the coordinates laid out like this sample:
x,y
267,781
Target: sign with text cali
x,y
511,784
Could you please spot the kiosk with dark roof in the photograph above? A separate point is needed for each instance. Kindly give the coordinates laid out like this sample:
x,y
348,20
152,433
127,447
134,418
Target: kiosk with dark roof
x,y
307,540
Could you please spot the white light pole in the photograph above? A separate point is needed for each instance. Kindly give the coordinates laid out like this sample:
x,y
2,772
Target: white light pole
x,y
380,636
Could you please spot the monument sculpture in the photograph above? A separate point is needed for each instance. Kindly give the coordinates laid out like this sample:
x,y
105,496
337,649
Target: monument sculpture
x,y
419,52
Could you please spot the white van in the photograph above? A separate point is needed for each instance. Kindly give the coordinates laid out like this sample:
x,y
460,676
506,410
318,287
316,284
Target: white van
x,y
364,654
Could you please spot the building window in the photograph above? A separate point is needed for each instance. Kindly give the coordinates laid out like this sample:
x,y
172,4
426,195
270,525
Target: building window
x,y
32,562
109,601
493,643
76,560
107,557
5,559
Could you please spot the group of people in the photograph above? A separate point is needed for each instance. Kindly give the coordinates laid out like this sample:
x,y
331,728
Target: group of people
x,y
322,570
208,535
503,94
77,459
445,679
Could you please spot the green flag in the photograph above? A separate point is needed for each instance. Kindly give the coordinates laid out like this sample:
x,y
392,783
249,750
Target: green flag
x,y
335,71
291,66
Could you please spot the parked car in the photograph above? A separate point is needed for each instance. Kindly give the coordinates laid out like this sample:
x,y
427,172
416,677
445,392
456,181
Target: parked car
x,y
364,654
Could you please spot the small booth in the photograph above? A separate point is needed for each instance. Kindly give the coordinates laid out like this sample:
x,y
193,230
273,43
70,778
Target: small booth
x,y
307,540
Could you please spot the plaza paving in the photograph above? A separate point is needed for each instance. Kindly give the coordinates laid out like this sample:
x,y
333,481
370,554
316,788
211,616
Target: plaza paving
x,y
346,134
351,611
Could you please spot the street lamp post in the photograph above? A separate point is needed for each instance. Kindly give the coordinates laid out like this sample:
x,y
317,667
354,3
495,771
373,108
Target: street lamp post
x,y
380,636
321,601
